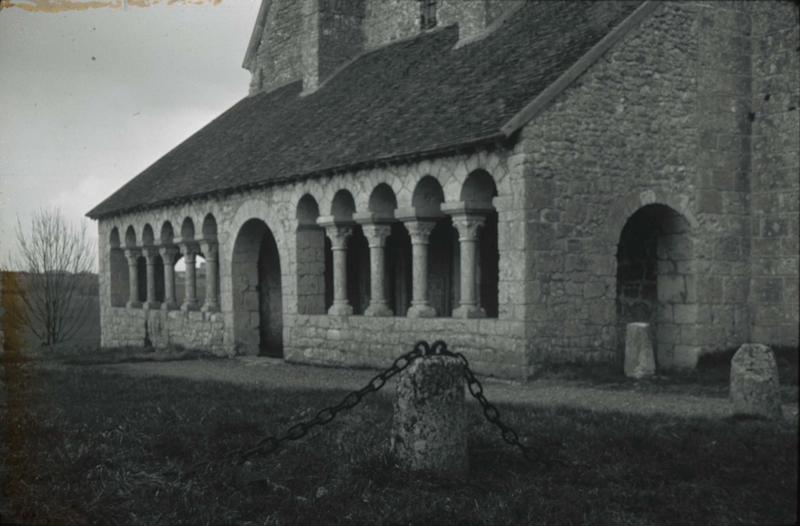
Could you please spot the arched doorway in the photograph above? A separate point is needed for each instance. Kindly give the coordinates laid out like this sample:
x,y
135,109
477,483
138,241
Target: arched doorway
x,y
257,297
654,278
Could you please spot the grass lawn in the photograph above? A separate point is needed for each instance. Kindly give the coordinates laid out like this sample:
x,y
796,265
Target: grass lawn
x,y
711,377
82,446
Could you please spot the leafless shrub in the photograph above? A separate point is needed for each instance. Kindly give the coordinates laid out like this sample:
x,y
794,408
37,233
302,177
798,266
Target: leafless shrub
x,y
55,258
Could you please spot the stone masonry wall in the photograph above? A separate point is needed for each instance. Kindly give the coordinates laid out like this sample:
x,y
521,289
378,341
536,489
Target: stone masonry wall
x,y
495,345
775,167
492,346
390,20
278,60
662,118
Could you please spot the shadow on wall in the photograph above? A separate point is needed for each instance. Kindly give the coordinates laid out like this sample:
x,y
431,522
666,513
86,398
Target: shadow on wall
x,y
89,333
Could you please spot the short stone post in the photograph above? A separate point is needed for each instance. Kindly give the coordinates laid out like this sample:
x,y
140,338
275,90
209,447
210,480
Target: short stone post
x,y
755,388
429,432
640,361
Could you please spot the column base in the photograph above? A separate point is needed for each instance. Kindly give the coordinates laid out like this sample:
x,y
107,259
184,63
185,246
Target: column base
x,y
469,311
421,311
170,306
340,309
133,305
151,305
210,308
378,310
189,306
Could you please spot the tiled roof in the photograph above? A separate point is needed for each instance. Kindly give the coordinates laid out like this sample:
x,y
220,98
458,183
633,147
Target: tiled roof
x,y
411,97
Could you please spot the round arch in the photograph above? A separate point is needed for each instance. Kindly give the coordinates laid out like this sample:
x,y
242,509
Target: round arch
x,y
655,279
258,292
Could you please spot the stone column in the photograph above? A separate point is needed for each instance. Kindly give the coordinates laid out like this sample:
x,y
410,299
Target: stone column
x,y
467,226
211,251
338,233
133,278
376,235
168,256
189,251
150,256
420,232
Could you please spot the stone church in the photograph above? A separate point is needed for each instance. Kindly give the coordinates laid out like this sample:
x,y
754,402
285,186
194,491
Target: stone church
x,y
519,178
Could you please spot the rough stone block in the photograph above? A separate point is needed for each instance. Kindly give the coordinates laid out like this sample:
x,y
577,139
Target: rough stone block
x,y
755,389
429,430
640,359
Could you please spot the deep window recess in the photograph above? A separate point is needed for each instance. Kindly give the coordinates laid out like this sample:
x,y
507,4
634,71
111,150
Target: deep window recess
x,y
427,14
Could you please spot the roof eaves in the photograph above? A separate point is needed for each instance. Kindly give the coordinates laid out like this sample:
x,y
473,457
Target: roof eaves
x,y
538,104
493,138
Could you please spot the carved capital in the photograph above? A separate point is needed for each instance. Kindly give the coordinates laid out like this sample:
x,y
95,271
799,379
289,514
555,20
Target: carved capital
x,y
132,254
338,236
210,249
420,231
376,234
169,254
150,254
189,250
467,226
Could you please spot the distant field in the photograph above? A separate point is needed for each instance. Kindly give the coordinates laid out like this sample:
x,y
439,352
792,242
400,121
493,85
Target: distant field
x,y
89,333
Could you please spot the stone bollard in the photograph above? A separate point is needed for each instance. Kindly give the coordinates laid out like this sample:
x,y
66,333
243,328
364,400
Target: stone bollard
x,y
429,431
640,360
755,388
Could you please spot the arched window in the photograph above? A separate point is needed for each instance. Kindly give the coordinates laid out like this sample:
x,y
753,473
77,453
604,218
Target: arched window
x,y
443,254
427,14
397,251
654,276
314,276
478,190
118,271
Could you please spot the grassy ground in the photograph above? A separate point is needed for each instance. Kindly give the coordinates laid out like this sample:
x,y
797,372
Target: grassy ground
x,y
711,377
90,447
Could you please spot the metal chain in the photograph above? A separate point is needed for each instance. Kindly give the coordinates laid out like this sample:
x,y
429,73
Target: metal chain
x,y
491,413
271,443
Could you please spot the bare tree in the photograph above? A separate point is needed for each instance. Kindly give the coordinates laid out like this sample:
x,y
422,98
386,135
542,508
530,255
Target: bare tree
x,y
56,259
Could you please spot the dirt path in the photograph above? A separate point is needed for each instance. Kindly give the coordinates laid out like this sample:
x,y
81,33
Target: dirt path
x,y
276,374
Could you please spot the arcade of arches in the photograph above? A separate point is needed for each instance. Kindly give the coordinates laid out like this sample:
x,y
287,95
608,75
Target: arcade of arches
x,y
353,285
434,259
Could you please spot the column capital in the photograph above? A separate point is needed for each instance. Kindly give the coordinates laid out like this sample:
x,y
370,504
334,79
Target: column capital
x,y
419,230
468,225
132,253
150,254
466,208
411,214
376,234
337,231
188,248
209,248
169,253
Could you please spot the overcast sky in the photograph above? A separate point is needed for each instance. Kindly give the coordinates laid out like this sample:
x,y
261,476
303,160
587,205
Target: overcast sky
x,y
89,98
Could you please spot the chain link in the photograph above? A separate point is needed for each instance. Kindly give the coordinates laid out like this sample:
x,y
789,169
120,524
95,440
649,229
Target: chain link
x,y
271,443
